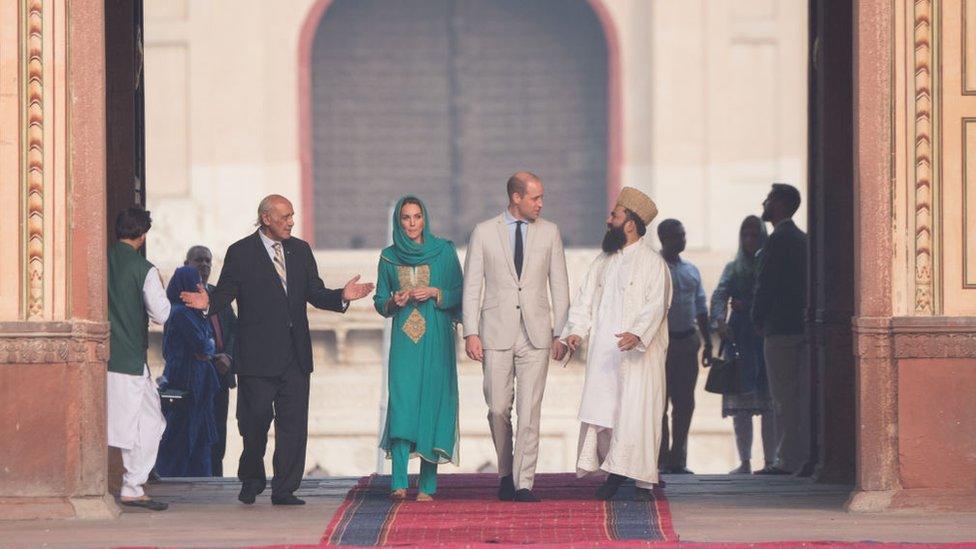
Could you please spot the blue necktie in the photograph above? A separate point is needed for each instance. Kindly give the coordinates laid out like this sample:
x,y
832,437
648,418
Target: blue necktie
x,y
519,253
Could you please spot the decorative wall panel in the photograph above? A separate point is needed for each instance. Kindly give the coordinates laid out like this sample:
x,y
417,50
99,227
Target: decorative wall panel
x,y
958,154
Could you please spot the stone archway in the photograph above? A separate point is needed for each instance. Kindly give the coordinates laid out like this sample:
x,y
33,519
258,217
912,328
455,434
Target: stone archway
x,y
468,158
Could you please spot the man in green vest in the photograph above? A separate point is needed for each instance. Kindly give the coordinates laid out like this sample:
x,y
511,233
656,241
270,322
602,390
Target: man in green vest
x,y
135,296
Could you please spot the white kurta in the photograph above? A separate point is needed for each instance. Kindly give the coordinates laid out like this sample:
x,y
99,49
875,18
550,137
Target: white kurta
x,y
624,392
601,393
126,394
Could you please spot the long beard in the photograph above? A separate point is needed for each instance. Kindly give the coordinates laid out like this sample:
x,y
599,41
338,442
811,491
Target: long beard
x,y
614,240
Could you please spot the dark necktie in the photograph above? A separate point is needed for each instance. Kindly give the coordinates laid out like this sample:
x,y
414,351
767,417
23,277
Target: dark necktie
x,y
218,334
519,253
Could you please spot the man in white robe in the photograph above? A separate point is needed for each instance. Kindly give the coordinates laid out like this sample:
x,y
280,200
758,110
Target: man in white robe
x,y
621,308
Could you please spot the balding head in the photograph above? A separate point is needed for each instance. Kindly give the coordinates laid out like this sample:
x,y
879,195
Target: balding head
x,y
276,217
519,183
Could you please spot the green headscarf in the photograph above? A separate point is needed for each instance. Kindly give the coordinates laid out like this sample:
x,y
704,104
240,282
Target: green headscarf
x,y
405,251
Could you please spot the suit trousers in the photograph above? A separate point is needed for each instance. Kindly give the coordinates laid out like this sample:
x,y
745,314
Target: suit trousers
x,y
516,375
283,399
681,370
788,370
221,407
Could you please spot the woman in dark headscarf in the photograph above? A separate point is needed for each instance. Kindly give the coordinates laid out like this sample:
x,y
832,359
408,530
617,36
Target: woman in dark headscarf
x,y
188,347
419,286
736,288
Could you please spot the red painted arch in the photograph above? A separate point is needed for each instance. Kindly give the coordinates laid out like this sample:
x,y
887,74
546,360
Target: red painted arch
x,y
306,39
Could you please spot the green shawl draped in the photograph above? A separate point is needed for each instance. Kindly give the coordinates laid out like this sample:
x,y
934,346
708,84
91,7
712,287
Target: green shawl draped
x,y
423,393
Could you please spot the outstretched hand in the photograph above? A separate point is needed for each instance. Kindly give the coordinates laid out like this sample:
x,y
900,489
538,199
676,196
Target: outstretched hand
x,y
355,290
199,299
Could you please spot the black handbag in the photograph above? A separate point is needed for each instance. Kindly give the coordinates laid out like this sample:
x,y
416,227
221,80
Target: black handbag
x,y
723,371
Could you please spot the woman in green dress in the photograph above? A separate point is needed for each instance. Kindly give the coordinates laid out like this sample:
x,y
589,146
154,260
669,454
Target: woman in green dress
x,y
419,285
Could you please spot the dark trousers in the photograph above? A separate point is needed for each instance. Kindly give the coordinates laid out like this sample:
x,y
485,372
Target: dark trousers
x,y
681,370
221,404
283,399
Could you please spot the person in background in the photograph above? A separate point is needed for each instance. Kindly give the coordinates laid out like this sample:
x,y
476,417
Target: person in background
x,y
224,326
135,296
688,310
188,347
777,313
731,303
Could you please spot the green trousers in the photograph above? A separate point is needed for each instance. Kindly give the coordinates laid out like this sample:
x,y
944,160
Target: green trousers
x,y
400,453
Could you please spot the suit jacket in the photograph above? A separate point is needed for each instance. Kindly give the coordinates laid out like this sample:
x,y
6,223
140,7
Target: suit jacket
x,y
490,266
781,282
271,324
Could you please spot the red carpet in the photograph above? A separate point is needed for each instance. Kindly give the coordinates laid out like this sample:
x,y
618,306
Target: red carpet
x,y
466,511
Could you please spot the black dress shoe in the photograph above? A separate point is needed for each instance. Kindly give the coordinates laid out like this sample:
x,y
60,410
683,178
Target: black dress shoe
x,y
526,496
643,494
772,470
290,499
249,491
506,489
609,487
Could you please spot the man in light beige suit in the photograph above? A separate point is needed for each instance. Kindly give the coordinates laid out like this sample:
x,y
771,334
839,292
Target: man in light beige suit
x,y
515,258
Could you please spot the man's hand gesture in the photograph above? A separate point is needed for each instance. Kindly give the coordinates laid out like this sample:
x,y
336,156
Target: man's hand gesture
x,y
199,299
355,290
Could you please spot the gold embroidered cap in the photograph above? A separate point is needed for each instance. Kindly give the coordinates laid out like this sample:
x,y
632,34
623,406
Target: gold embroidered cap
x,y
639,203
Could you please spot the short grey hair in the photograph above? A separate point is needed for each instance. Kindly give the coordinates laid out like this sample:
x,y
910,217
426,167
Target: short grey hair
x,y
194,249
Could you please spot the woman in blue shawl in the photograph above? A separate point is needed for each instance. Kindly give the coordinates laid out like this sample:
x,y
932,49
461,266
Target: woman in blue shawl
x,y
419,285
188,347
736,288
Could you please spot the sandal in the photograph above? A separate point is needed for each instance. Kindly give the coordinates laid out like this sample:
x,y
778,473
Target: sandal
x,y
400,494
424,497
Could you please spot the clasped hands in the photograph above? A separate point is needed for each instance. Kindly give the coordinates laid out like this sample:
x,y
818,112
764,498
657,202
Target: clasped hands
x,y
403,297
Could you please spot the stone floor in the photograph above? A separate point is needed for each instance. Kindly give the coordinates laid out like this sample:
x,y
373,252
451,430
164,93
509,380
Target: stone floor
x,y
704,508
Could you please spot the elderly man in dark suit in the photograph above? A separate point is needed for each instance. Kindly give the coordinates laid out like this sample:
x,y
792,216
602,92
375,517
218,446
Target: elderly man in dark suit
x,y
272,276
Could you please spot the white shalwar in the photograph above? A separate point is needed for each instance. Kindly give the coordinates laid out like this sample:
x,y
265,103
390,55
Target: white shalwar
x,y
135,417
623,392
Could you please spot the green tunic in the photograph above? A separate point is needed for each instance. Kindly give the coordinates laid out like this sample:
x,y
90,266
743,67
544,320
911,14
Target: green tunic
x,y
423,387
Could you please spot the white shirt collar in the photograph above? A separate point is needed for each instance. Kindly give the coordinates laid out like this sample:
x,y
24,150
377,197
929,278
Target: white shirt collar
x,y
510,219
268,243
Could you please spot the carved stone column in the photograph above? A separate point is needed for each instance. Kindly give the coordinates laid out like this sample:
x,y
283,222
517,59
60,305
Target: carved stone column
x,y
915,82
54,332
